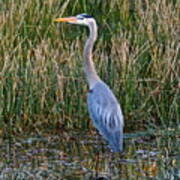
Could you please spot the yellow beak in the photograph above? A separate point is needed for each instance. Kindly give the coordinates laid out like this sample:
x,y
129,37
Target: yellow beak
x,y
67,19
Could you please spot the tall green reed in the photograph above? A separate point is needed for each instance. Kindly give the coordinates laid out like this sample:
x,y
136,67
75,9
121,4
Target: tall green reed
x,y
42,80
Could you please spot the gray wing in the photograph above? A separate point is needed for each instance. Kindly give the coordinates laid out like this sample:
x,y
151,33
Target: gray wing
x,y
106,114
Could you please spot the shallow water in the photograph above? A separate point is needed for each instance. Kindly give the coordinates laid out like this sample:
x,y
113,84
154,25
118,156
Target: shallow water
x,y
85,155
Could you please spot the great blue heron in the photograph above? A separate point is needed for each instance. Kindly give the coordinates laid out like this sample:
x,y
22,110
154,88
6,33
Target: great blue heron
x,y
103,106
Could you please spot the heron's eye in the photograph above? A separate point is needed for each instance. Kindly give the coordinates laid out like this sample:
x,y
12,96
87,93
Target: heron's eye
x,y
81,18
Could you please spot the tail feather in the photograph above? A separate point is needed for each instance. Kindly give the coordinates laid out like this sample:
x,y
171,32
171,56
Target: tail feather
x,y
117,142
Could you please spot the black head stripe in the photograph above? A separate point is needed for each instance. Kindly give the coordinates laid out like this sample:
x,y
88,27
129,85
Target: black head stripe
x,y
81,16
86,16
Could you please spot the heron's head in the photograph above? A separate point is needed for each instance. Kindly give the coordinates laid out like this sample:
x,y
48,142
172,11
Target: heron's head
x,y
80,19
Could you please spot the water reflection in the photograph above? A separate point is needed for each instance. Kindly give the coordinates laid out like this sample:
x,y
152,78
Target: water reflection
x,y
83,156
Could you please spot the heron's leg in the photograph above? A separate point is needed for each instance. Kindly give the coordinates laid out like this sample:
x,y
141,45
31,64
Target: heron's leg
x,y
97,165
97,153
111,157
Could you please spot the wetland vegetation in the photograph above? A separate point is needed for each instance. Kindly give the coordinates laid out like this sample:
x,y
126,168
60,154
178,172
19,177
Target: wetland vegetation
x,y
45,130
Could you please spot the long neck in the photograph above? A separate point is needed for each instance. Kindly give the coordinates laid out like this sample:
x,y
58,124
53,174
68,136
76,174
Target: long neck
x,y
91,74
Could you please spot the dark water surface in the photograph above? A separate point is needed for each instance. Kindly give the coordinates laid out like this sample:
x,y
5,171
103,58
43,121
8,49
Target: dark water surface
x,y
78,155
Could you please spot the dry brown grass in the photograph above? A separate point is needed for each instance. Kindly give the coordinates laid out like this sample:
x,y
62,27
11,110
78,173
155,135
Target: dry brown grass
x,y
41,78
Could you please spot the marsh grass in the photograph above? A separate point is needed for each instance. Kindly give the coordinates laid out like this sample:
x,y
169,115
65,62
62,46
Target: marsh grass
x,y
42,80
